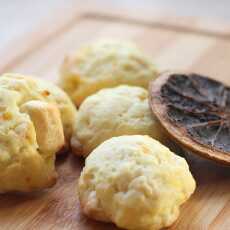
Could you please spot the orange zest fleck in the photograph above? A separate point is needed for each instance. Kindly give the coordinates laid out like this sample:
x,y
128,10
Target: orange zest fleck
x,y
45,93
7,116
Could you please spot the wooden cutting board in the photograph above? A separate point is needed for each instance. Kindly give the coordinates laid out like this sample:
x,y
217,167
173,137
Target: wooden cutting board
x,y
174,43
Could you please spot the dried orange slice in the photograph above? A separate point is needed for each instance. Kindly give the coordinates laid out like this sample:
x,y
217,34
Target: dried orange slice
x,y
195,111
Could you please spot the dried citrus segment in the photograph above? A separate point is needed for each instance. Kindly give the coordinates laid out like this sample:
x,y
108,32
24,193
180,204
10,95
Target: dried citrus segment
x,y
195,110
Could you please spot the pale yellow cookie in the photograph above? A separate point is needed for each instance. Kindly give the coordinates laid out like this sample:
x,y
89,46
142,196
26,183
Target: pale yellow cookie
x,y
135,182
32,117
123,110
31,88
105,64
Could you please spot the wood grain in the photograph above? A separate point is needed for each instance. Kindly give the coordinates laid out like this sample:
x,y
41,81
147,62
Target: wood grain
x,y
174,44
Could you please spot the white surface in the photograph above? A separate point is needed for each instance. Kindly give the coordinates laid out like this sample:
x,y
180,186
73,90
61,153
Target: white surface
x,y
20,16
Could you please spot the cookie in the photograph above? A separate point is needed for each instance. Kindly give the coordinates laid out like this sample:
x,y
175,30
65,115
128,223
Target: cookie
x,y
123,110
31,88
134,182
105,64
33,128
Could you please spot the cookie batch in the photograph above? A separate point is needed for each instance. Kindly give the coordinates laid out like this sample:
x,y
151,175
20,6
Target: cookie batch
x,y
101,112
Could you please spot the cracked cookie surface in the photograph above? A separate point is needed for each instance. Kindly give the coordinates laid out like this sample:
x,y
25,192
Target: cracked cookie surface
x,y
134,182
122,110
105,64
31,132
